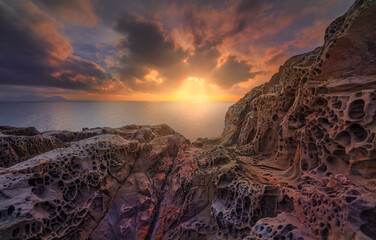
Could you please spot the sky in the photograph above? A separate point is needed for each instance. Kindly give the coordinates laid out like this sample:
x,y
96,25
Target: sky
x,y
153,50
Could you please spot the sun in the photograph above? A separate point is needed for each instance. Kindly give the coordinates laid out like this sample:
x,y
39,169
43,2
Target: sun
x,y
197,80
193,90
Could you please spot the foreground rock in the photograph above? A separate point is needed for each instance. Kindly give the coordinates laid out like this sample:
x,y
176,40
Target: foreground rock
x,y
95,188
19,144
296,160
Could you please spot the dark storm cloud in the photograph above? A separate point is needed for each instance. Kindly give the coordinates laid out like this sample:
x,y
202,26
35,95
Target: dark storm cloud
x,y
145,48
203,60
146,43
232,72
33,53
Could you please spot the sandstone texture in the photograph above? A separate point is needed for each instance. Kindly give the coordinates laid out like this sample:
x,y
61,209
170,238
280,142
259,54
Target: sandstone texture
x,y
296,160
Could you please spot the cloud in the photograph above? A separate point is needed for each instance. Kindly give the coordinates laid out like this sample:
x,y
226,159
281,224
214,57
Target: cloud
x,y
275,59
252,6
152,61
96,47
146,43
311,36
203,60
34,53
231,72
146,48
79,11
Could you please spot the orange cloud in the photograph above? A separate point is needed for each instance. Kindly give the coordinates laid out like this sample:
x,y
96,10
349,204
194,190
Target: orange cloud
x,y
44,29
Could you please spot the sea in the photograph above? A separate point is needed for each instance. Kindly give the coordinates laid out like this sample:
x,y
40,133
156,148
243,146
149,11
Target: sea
x,y
193,120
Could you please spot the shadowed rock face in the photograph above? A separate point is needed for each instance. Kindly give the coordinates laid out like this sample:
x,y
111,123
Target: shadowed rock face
x,y
296,160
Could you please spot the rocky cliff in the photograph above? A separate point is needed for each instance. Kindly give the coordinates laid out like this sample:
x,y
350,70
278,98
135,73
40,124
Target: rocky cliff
x,y
296,160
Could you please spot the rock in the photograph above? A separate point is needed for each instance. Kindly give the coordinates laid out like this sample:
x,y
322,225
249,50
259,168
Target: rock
x,y
15,149
20,144
19,131
296,160
82,190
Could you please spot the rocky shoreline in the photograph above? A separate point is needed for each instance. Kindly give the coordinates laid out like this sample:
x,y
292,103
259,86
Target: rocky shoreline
x,y
296,160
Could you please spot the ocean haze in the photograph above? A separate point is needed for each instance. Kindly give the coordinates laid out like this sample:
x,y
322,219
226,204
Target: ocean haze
x,y
32,98
193,120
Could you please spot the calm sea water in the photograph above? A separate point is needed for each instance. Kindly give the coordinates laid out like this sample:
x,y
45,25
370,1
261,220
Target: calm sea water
x,y
193,120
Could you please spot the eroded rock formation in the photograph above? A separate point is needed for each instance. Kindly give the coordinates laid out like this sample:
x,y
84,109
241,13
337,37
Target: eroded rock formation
x,y
296,160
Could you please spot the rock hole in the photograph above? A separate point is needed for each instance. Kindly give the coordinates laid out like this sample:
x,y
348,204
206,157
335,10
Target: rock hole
x,y
369,218
359,133
356,109
350,199
325,233
343,138
10,210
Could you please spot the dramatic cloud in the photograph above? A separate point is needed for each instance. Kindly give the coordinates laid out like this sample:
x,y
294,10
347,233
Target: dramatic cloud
x,y
152,60
144,53
34,53
147,43
233,71
203,60
123,49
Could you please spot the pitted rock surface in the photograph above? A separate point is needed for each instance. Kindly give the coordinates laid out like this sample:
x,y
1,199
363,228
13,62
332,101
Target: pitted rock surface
x,y
296,160
20,144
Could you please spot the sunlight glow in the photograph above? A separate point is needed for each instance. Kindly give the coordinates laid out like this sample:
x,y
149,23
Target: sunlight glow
x,y
197,80
153,76
193,90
